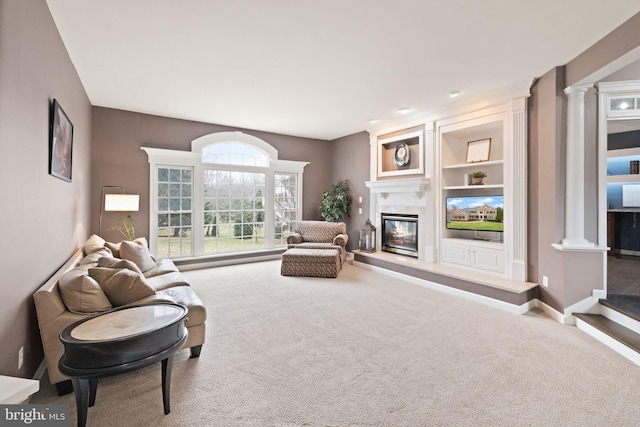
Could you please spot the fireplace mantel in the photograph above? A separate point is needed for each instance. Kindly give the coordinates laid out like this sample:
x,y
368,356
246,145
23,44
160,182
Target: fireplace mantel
x,y
416,186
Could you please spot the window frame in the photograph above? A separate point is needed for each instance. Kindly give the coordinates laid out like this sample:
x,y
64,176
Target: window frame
x,y
158,157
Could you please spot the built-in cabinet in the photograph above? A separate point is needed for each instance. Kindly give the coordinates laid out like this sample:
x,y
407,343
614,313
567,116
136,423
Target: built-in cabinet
x,y
488,256
483,226
444,154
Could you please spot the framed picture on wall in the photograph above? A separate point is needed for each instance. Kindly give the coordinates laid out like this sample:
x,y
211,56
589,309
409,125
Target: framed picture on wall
x,y
478,151
60,143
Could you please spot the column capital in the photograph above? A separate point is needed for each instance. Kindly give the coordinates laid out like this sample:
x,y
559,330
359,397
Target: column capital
x,y
575,89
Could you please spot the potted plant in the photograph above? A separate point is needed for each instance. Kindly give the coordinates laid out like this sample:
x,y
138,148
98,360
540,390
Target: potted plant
x,y
336,203
127,229
478,177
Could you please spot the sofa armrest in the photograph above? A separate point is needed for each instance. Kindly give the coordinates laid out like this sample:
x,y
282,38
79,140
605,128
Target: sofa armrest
x,y
341,240
294,238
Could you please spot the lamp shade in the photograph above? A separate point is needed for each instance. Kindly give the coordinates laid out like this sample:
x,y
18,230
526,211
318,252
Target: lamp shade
x,y
121,202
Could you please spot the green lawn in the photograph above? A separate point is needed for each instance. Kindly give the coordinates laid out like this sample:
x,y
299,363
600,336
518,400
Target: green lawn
x,y
476,225
224,242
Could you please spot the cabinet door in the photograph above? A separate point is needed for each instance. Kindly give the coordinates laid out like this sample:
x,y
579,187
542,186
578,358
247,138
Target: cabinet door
x,y
486,258
455,253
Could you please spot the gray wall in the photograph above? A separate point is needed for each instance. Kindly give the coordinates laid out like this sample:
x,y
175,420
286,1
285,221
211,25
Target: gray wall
x,y
350,160
546,207
44,218
118,160
572,275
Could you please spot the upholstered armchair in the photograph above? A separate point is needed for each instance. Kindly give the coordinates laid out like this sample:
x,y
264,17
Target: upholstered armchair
x,y
320,235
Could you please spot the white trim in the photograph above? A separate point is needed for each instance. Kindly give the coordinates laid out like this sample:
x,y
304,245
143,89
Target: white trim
x,y
213,138
620,319
40,371
384,141
550,311
588,305
181,159
612,343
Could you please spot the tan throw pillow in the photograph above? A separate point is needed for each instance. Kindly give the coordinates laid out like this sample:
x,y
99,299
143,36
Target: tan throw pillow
x,y
122,286
114,248
93,244
111,262
138,253
81,293
94,257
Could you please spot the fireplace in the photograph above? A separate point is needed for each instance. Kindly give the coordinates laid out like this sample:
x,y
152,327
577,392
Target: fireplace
x,y
400,234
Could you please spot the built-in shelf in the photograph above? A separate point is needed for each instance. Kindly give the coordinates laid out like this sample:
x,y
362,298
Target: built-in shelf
x,y
623,178
472,187
474,165
624,152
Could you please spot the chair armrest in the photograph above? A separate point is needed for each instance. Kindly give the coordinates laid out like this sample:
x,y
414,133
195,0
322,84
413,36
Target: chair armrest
x,y
294,238
341,240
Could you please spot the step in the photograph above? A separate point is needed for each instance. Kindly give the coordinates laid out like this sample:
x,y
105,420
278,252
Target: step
x,y
617,337
629,305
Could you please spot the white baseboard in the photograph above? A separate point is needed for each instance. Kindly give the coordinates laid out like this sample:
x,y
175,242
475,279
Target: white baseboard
x,y
552,312
42,368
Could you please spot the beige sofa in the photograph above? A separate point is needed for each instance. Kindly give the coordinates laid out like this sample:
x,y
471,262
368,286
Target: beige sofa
x,y
104,275
319,235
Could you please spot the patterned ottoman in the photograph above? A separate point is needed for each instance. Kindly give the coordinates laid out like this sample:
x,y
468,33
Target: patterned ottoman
x,y
310,262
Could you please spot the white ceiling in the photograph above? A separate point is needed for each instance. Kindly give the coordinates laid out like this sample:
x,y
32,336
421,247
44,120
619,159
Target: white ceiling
x,y
320,69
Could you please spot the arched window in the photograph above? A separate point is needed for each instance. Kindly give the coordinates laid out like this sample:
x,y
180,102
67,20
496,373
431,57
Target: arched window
x,y
234,153
229,194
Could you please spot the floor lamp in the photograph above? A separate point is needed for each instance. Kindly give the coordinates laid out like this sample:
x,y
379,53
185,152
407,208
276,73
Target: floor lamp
x,y
117,203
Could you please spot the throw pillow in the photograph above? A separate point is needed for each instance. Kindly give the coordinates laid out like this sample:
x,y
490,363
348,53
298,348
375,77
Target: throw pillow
x,y
94,257
93,244
81,293
122,286
138,253
111,262
114,248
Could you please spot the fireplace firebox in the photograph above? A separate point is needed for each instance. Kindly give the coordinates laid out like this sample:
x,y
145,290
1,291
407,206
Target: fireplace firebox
x,y
400,234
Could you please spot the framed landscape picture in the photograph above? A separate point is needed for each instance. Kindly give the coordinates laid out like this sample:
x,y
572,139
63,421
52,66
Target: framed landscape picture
x,y
60,143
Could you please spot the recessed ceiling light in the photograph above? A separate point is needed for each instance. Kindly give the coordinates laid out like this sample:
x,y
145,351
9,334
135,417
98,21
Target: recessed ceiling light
x,y
404,110
374,121
454,93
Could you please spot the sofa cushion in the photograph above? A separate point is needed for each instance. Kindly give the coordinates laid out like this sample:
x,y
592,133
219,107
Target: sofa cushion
x,y
93,244
167,280
183,295
111,262
81,293
163,266
122,286
138,253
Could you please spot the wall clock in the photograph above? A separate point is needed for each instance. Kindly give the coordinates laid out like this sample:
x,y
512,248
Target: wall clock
x,y
402,154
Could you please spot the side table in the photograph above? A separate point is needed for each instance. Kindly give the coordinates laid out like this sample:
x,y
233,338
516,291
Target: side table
x,y
118,341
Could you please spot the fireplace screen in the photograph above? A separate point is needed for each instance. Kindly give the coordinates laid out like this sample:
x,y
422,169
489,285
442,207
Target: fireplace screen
x,y
400,234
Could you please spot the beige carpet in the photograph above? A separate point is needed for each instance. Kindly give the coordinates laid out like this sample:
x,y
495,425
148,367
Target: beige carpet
x,y
369,350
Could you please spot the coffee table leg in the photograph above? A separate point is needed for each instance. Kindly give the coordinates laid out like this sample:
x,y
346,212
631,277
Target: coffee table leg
x,y
81,389
167,364
93,386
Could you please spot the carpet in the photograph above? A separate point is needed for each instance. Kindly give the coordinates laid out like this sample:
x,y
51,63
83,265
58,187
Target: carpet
x,y
369,350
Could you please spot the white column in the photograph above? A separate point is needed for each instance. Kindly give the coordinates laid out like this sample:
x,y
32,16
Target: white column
x,y
574,197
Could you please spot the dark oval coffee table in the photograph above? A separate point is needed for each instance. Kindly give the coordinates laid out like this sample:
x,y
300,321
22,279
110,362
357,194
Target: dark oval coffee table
x,y
118,341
